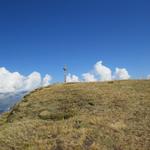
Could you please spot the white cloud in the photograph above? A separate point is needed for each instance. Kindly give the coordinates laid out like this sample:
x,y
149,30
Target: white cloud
x,y
46,80
121,74
14,81
72,78
89,77
148,77
32,81
103,71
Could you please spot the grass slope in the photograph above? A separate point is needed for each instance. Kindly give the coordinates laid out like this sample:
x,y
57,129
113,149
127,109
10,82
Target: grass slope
x,y
82,116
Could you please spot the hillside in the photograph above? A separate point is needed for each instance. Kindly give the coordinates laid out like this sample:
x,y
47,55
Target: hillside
x,y
80,116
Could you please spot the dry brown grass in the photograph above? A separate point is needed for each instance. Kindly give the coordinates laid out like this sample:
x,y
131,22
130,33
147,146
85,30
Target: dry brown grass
x,y
95,116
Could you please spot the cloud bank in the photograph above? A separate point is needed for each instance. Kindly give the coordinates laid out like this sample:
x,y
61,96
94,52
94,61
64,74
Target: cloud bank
x,y
148,77
100,72
15,82
72,78
121,74
103,71
89,77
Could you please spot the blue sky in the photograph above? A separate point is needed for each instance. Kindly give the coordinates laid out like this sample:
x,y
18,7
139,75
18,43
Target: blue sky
x,y
43,35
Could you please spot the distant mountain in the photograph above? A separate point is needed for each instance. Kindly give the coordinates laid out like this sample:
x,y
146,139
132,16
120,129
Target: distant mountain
x,y
7,100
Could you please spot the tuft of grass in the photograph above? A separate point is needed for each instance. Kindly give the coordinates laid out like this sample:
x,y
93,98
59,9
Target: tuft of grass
x,y
80,116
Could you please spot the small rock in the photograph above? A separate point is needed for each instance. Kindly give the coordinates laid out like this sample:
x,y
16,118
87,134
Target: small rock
x,y
45,114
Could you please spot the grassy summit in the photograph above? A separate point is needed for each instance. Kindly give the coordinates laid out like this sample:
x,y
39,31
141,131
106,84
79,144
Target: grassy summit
x,y
81,116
